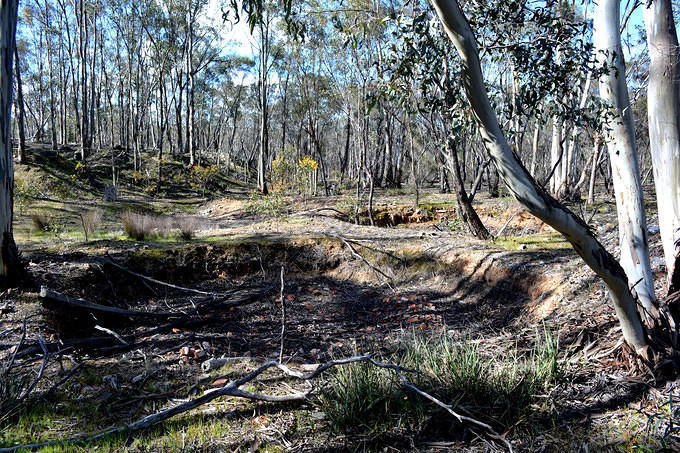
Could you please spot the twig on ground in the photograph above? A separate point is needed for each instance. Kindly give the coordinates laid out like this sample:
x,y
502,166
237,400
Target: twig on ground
x,y
283,316
5,374
233,389
112,333
56,385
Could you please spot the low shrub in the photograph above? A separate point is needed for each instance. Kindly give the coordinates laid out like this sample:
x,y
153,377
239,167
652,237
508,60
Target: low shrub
x,y
272,205
142,226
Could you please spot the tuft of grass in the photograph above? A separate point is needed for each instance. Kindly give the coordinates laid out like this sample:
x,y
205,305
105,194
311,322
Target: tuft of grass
x,y
90,220
362,398
187,227
142,226
500,389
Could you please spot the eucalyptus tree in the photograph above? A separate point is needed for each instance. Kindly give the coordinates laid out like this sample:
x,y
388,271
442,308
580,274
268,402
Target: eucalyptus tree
x,y
525,189
620,137
418,50
663,104
9,255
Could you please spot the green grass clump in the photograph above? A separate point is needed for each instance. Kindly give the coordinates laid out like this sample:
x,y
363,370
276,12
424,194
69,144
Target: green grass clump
x,y
363,398
498,389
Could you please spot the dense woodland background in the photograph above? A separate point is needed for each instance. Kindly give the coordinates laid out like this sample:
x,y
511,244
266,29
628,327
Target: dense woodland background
x,y
368,90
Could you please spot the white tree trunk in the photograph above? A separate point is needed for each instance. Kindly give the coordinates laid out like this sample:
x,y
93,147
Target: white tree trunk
x,y
522,186
556,158
663,108
8,251
620,138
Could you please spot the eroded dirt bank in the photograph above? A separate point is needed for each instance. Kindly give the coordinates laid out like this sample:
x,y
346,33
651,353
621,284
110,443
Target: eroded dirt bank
x,y
347,289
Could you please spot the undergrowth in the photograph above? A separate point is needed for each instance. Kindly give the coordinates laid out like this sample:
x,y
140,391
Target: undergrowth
x,y
498,389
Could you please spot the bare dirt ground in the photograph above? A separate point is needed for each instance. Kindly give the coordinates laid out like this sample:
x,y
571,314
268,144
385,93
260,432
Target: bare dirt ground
x,y
348,289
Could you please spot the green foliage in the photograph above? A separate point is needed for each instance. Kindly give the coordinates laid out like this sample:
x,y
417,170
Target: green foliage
x,y
363,398
349,204
79,172
286,175
203,177
272,205
283,170
23,193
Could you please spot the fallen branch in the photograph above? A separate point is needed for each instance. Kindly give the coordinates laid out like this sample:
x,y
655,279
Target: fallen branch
x,y
233,389
158,282
112,333
505,225
54,296
375,248
358,255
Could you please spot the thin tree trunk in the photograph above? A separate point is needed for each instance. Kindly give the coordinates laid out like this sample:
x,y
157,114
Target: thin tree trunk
x,y
593,171
522,186
466,210
20,109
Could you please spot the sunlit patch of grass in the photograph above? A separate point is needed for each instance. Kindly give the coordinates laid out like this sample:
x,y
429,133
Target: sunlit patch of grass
x,y
540,241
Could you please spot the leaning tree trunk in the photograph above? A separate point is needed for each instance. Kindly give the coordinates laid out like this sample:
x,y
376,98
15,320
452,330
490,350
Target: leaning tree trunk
x,y
620,138
663,108
525,189
9,257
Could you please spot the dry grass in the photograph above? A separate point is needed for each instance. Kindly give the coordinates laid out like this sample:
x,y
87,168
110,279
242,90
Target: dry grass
x,y
90,221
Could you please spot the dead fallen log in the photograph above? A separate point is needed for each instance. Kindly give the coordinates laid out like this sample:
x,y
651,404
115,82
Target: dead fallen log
x,y
54,296
110,344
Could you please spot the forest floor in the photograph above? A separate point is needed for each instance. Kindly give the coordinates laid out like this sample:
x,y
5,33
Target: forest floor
x,y
416,285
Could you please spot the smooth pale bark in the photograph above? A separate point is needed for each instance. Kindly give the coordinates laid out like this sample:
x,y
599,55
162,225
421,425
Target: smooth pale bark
x,y
663,109
523,187
556,159
620,138
534,148
9,257
593,171
264,108
53,128
20,109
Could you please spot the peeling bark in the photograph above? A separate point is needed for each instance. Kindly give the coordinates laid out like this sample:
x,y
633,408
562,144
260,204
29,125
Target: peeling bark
x,y
9,256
